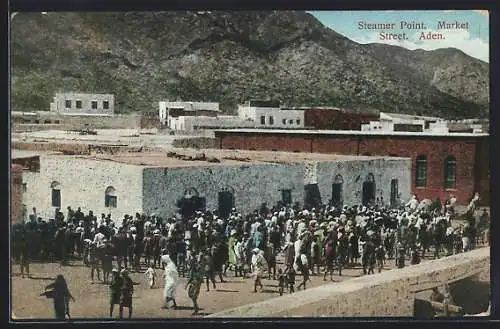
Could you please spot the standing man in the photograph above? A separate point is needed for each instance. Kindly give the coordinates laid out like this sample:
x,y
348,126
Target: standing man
x,y
127,290
115,290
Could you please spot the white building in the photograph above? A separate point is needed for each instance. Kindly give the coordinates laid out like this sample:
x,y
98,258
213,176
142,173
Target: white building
x,y
83,104
169,110
403,122
271,115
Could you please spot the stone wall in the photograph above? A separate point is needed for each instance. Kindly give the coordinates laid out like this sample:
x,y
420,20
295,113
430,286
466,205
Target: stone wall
x,y
196,142
81,149
253,184
83,183
387,294
69,122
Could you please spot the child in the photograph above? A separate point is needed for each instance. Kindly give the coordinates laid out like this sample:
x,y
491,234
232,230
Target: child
x,y
380,254
151,277
281,281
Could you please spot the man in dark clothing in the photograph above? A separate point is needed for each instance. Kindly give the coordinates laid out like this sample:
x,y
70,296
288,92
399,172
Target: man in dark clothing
x,y
24,253
115,290
127,290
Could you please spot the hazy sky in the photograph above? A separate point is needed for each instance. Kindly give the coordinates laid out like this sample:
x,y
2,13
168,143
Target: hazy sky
x,y
473,41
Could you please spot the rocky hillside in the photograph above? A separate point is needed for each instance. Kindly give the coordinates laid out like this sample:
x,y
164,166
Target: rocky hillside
x,y
230,57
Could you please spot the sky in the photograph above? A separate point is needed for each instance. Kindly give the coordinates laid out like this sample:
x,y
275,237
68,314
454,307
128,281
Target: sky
x,y
472,40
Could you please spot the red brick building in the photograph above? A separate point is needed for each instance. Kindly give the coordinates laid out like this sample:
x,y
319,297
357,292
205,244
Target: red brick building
x,y
16,193
336,119
443,164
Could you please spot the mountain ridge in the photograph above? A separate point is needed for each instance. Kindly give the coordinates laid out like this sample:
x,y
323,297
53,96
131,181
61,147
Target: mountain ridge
x,y
230,57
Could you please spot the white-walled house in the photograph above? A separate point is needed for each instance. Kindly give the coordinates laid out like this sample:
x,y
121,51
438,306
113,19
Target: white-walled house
x,y
272,117
72,103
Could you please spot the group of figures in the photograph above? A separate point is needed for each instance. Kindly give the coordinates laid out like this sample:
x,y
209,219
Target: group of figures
x,y
201,246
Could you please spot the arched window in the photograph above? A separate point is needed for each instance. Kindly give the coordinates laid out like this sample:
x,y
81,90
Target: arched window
x,y
421,171
56,194
450,171
110,197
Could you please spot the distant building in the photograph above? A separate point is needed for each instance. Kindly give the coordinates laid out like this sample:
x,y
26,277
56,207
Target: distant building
x,y
83,104
16,193
269,114
174,110
193,123
389,122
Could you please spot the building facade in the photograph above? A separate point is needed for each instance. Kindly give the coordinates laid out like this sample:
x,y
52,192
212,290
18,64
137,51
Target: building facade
x,y
108,185
270,115
170,111
389,122
442,164
83,104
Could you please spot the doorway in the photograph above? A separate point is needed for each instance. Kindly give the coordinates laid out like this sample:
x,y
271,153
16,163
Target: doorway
x,y
312,198
226,203
190,203
394,193
337,187
369,190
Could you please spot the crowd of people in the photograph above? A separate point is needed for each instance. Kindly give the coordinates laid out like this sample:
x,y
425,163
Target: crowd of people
x,y
202,246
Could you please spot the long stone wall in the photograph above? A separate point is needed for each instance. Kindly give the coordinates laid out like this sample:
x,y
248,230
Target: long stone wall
x,y
385,294
253,184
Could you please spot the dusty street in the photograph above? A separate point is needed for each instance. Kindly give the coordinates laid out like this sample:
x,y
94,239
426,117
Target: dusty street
x,y
92,299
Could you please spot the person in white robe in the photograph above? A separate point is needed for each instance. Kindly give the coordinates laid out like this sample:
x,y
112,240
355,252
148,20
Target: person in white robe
x,y
171,279
259,265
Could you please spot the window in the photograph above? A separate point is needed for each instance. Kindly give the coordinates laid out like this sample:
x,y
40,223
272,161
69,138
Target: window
x,y
290,121
262,120
450,168
283,121
105,105
57,122
78,104
56,194
298,121
110,199
271,120
286,196
67,104
94,105
25,187
421,171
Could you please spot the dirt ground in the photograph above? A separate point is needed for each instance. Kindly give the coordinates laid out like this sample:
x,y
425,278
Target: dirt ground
x,y
92,299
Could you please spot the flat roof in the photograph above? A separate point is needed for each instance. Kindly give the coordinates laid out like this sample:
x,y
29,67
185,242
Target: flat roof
x,y
348,132
226,157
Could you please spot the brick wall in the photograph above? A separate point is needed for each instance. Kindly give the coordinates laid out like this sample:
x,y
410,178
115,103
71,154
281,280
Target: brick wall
x,y
16,193
337,119
472,156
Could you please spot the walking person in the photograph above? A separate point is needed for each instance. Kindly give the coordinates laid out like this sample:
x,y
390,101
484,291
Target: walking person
x,y
115,290
193,285
60,294
171,278
259,264
127,290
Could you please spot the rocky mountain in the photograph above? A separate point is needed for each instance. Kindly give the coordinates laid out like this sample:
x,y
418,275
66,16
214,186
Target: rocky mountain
x,y
231,57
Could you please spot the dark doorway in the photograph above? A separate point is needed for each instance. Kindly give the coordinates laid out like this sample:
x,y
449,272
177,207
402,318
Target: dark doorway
x,y
312,197
337,187
394,193
226,203
286,197
369,191
190,203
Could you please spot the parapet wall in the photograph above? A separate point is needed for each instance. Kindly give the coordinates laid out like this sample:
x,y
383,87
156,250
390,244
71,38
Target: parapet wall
x,y
386,294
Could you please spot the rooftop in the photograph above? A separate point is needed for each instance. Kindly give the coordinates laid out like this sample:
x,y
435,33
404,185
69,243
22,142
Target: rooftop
x,y
348,132
226,157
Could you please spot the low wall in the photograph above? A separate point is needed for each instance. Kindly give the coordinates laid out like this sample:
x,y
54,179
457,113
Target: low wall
x,y
386,294
84,149
196,142
67,122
